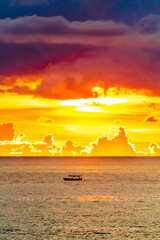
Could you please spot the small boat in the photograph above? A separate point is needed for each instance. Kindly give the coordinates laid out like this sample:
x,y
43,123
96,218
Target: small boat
x,y
73,178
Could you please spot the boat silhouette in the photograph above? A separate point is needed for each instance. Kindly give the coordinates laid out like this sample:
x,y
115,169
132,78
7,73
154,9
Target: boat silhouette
x,y
73,178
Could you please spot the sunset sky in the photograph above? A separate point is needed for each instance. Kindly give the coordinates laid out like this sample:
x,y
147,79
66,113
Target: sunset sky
x,y
80,77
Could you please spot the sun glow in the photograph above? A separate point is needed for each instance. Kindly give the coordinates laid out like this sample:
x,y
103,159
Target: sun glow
x,y
94,104
93,101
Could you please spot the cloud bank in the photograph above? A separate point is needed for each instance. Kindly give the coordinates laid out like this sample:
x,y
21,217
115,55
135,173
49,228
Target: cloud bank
x,y
35,28
119,145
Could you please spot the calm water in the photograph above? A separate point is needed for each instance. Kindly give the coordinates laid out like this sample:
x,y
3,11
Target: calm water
x,y
119,198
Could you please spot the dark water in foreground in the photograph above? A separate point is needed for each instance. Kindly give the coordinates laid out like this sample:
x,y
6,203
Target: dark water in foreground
x,y
119,198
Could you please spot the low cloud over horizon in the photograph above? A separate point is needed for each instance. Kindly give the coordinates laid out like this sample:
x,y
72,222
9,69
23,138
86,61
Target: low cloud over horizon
x,y
118,145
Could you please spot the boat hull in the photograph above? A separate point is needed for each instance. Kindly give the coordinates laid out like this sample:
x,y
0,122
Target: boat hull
x,y
72,179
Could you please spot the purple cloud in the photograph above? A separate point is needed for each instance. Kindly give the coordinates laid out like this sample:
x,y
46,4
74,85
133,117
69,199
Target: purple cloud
x,y
31,26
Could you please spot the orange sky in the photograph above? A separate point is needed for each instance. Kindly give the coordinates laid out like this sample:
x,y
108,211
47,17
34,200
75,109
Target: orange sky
x,y
118,121
82,87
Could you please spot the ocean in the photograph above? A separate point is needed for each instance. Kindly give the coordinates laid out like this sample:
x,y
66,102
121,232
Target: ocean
x,y
118,198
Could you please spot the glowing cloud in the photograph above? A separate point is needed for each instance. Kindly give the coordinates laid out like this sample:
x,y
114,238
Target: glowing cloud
x,y
70,150
6,132
154,149
152,118
119,145
49,139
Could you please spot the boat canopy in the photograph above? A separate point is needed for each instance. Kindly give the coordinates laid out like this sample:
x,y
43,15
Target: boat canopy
x,y
74,175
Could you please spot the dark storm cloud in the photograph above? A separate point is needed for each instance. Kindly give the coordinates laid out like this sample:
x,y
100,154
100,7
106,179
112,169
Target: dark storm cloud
x,y
70,71
22,58
132,68
69,57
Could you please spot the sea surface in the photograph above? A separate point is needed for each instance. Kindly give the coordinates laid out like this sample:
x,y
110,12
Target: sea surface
x,y
118,198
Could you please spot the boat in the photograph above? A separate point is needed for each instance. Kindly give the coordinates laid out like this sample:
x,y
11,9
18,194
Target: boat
x,y
73,178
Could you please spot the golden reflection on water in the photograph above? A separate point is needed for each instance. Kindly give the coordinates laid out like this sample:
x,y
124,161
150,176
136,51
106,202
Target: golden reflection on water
x,y
84,198
100,198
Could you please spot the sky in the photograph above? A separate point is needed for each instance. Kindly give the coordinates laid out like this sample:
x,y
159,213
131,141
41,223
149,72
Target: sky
x,y
80,78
